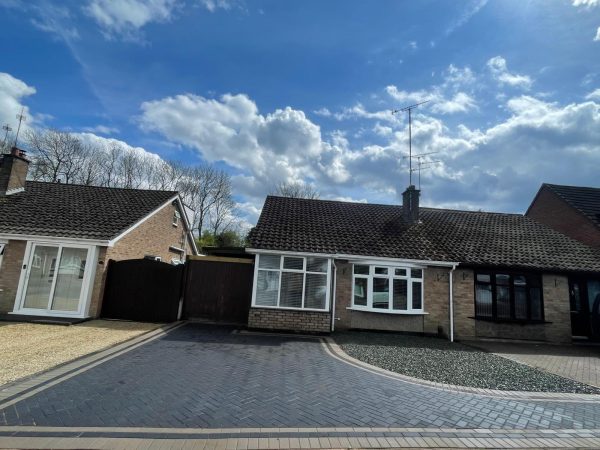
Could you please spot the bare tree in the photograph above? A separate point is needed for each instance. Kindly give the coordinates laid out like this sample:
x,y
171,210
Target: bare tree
x,y
56,155
296,190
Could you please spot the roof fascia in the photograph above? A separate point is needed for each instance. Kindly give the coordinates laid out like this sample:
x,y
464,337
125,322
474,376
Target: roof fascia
x,y
375,259
39,237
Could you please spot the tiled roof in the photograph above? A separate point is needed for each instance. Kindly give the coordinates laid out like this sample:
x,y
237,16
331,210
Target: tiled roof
x,y
585,199
75,211
476,238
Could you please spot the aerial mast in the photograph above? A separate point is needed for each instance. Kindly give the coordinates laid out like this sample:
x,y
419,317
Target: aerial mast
x,y
409,110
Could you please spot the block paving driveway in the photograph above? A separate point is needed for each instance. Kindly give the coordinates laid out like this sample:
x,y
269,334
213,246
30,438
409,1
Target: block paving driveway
x,y
205,376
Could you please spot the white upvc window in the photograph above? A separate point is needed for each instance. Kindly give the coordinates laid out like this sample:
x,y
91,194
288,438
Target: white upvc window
x,y
291,282
387,289
2,248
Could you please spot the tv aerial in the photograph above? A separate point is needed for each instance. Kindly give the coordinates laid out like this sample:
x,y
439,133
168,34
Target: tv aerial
x,y
409,110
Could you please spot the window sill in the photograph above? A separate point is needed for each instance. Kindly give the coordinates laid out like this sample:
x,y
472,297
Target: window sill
x,y
287,308
511,321
387,311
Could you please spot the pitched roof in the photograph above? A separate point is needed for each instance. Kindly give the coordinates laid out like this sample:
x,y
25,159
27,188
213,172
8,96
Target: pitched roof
x,y
76,211
477,238
584,199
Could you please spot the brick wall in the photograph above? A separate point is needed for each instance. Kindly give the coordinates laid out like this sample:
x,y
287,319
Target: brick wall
x,y
285,319
153,237
435,301
556,311
10,272
550,209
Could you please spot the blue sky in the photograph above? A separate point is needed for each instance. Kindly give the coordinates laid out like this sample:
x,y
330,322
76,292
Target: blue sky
x,y
277,91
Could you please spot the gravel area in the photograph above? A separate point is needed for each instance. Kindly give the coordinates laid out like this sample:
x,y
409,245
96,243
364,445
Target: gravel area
x,y
438,360
28,348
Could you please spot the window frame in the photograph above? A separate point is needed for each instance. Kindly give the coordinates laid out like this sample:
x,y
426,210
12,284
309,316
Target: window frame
x,y
303,271
511,292
2,251
391,276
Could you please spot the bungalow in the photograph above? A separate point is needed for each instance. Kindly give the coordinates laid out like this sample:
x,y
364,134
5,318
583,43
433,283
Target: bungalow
x,y
56,239
324,265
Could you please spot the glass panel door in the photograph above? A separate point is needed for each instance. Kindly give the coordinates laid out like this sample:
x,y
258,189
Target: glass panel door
x,y
41,277
69,279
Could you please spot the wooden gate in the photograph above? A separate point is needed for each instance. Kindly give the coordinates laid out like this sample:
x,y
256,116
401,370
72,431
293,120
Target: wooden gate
x,y
218,288
142,290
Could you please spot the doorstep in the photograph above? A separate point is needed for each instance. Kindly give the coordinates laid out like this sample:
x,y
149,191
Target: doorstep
x,y
46,320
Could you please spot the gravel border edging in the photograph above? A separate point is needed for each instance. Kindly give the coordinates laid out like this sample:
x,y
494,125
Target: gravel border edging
x,y
335,350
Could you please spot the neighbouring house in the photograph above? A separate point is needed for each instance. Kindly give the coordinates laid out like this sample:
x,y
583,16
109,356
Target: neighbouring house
x,y
56,239
323,265
574,211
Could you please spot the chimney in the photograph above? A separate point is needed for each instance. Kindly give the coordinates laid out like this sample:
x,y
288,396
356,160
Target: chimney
x,y
13,172
410,205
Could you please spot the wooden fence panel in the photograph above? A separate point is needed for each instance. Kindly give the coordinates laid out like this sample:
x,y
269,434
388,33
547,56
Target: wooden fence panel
x,y
142,290
218,289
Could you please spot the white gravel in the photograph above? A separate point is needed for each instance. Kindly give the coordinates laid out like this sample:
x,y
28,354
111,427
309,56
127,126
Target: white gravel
x,y
439,360
27,348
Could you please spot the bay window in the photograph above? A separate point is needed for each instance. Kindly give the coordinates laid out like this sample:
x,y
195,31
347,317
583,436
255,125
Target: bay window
x,y
508,296
291,282
397,290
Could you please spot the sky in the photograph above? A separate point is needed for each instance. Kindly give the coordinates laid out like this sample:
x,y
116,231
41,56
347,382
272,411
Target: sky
x,y
302,91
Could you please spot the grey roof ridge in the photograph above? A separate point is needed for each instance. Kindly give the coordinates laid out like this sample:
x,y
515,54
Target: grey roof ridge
x,y
92,186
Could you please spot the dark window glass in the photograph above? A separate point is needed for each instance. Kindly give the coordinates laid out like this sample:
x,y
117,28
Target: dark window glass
x,y
400,295
502,279
416,273
483,300
381,293
381,271
416,295
503,302
400,272
575,297
291,289
360,291
483,277
293,263
361,270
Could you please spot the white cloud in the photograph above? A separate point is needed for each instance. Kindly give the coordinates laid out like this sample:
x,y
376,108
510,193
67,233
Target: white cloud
x,y
594,95
102,129
466,15
12,93
124,18
500,72
586,3
213,5
597,37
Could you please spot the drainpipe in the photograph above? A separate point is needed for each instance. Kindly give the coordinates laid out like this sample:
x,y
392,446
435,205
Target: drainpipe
x,y
333,300
451,301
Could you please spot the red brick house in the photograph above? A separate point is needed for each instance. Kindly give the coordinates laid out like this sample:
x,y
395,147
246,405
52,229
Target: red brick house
x,y
324,265
574,211
56,239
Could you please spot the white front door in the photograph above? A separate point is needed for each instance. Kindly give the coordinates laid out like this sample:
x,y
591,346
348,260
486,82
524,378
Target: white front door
x,y
56,279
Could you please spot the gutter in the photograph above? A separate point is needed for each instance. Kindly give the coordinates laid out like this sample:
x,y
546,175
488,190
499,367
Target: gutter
x,y
451,300
333,301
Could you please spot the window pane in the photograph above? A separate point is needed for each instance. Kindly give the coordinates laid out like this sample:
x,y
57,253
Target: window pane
x,y
503,302
293,263
535,296
316,291
575,297
361,270
483,300
400,272
69,279
267,286
360,291
483,277
520,302
519,280
316,264
502,279
291,289
381,271
381,293
416,295
41,275
416,273
399,300
269,261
